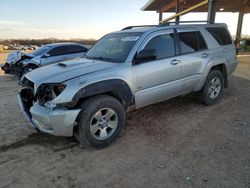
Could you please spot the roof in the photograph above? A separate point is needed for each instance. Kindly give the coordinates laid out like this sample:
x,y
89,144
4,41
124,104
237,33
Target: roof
x,y
164,26
169,5
63,44
133,30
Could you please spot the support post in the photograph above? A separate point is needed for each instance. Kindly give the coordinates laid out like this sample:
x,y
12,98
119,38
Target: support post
x,y
211,11
177,10
239,28
204,2
160,17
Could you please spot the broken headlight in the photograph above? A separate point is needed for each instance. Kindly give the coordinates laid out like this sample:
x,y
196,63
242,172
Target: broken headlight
x,y
48,92
58,89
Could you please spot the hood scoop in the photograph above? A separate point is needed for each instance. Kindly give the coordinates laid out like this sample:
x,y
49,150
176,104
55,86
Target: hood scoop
x,y
70,64
61,64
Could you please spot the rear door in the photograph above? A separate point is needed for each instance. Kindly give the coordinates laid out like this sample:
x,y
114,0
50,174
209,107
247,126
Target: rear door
x,y
56,54
158,79
74,51
194,55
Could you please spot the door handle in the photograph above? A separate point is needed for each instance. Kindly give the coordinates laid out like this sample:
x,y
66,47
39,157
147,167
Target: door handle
x,y
175,62
205,55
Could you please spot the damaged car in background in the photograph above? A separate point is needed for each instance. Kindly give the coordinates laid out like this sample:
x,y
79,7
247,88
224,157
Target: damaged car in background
x,y
19,63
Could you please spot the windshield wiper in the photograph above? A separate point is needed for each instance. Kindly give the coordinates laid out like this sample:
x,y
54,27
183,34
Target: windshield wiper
x,y
99,58
103,59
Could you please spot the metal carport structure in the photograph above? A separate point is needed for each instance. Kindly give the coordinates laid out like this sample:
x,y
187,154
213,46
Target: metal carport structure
x,y
181,7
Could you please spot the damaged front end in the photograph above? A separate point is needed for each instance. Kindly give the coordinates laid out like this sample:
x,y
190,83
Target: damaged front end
x,y
44,115
14,64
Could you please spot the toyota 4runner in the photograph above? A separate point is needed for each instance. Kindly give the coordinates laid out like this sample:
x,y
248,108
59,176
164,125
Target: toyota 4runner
x,y
137,66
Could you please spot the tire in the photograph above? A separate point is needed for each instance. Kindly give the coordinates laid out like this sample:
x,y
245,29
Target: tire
x,y
213,88
101,121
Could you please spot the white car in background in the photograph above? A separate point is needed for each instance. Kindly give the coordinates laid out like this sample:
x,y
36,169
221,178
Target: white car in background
x,y
19,63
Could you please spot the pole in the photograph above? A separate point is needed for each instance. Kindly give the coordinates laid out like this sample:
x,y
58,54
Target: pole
x,y
160,17
177,10
239,28
211,11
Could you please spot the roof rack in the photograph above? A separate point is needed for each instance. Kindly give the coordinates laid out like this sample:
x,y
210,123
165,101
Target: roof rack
x,y
138,26
180,22
166,24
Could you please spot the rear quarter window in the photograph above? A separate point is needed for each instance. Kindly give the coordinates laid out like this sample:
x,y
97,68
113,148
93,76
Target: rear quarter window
x,y
220,34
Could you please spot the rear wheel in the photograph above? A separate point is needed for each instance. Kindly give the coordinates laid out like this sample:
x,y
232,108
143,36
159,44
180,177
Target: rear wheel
x,y
213,89
101,121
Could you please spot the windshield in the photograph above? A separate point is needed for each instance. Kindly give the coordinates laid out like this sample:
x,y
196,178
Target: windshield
x,y
40,50
113,47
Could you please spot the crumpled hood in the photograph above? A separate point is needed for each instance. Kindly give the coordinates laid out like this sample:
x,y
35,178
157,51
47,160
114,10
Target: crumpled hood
x,y
15,56
60,72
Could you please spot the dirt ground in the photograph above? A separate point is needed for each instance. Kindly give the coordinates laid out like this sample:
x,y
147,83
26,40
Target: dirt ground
x,y
177,143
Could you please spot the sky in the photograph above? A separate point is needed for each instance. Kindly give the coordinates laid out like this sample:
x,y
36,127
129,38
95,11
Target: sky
x,y
85,19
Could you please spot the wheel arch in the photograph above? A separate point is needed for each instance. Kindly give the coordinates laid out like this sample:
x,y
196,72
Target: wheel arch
x,y
223,68
219,66
116,88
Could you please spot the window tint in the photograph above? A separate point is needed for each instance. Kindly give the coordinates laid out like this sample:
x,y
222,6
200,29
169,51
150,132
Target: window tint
x,y
163,44
61,50
191,42
76,49
40,50
114,47
220,34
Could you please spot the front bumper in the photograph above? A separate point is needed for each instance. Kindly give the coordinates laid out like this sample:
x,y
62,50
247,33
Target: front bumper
x,y
59,122
15,69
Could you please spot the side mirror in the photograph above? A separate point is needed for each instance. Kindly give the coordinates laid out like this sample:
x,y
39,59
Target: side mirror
x,y
145,55
46,55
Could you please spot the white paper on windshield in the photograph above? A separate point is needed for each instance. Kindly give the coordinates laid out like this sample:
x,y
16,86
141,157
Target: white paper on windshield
x,y
130,38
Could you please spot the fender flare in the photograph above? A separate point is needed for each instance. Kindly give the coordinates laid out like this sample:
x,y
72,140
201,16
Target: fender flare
x,y
114,87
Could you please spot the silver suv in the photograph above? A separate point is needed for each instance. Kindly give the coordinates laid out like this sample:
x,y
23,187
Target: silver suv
x,y
126,70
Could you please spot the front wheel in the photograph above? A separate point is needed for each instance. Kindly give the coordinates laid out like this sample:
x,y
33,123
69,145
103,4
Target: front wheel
x,y
213,89
101,121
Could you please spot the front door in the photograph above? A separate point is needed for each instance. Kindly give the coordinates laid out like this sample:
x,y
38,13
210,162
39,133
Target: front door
x,y
159,79
56,54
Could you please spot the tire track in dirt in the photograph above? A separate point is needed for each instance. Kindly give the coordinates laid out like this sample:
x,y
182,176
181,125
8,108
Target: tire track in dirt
x,y
39,139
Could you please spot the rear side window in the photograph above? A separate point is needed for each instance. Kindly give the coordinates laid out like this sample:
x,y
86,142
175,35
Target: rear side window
x,y
220,34
76,49
191,42
163,44
61,50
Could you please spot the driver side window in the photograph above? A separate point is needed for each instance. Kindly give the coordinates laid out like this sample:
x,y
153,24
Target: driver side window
x,y
163,44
